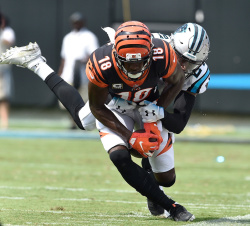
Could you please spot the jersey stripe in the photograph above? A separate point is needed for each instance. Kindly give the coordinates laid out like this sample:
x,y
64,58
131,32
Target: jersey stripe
x,y
97,69
195,88
168,145
167,60
170,63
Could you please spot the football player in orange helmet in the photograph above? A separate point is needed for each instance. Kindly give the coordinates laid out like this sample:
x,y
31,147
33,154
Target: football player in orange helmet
x,y
129,69
133,50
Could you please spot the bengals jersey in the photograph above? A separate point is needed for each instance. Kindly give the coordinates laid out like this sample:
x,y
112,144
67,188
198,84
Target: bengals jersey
x,y
196,82
102,70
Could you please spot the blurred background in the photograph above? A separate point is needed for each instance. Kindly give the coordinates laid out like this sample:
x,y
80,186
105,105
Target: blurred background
x,y
226,22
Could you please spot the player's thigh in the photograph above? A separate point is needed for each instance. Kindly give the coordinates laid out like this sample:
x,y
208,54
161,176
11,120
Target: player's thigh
x,y
108,137
163,158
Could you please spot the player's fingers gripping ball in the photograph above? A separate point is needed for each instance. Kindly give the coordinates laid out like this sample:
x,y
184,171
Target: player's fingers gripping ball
x,y
153,128
144,142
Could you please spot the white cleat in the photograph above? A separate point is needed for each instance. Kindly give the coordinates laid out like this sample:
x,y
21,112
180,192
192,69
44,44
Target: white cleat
x,y
26,56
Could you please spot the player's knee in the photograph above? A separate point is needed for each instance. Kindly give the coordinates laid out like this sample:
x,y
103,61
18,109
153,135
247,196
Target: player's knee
x,y
120,157
168,183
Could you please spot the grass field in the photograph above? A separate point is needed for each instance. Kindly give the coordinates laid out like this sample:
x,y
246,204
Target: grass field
x,y
73,182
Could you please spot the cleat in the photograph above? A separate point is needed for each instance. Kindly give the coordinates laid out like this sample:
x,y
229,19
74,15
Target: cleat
x,y
26,56
179,213
157,210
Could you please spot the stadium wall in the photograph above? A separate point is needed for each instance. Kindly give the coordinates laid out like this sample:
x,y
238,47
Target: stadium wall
x,y
226,22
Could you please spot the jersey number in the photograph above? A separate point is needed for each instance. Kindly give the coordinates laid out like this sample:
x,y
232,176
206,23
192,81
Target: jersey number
x,y
158,51
105,63
138,95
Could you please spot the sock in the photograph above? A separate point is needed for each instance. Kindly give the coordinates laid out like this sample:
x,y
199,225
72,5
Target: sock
x,y
43,70
139,179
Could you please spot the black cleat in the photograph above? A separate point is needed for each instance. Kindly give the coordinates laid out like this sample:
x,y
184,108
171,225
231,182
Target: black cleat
x,y
179,213
156,210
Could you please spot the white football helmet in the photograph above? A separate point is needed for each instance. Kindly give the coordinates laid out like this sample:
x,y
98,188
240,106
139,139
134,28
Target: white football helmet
x,y
191,43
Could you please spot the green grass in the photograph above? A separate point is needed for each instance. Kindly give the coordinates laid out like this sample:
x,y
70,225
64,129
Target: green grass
x,y
73,182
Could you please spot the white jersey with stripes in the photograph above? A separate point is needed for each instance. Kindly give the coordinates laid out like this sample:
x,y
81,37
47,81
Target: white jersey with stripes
x,y
196,82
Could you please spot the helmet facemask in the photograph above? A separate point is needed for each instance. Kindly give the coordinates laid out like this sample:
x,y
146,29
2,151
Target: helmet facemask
x,y
190,65
134,58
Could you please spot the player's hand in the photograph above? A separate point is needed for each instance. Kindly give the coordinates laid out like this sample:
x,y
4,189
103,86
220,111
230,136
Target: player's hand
x,y
121,105
153,128
141,143
150,112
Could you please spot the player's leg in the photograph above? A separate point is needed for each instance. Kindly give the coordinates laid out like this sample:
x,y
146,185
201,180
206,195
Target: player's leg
x,y
132,173
161,167
30,57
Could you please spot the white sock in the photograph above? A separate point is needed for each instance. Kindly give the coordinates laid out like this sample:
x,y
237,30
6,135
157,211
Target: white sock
x,y
43,70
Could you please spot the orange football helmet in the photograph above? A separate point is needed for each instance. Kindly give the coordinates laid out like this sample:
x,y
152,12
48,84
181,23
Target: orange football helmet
x,y
133,45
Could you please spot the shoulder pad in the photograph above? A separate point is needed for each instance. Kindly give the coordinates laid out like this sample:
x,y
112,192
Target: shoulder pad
x,y
198,82
161,36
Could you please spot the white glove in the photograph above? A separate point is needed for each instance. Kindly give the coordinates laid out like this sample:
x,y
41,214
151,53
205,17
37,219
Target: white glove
x,y
150,112
121,105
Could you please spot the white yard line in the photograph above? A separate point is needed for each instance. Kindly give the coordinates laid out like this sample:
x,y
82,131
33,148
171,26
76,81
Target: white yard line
x,y
117,190
226,221
7,197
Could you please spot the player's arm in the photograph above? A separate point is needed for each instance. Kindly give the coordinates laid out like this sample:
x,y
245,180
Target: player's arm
x,y
176,80
183,106
97,99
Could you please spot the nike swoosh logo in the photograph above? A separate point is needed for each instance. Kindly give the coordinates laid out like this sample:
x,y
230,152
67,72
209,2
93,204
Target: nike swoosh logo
x,y
141,142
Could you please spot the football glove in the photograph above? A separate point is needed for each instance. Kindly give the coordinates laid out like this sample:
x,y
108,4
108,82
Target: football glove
x,y
141,143
121,105
153,128
150,112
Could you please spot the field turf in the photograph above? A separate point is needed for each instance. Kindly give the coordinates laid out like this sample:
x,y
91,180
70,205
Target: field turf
x,y
73,182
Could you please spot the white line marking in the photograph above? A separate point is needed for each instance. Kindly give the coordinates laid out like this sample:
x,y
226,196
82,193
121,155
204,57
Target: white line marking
x,y
116,190
6,197
242,220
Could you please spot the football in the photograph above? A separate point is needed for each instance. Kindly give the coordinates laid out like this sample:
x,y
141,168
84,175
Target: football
x,y
134,152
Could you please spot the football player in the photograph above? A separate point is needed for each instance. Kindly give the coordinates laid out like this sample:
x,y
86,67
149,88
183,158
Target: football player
x,y
191,43
129,69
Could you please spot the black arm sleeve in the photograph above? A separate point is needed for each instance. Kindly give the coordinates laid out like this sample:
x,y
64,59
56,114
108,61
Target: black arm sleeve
x,y
68,95
183,106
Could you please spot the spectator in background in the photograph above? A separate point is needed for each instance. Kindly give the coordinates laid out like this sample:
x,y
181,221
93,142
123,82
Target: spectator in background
x,y
77,46
7,39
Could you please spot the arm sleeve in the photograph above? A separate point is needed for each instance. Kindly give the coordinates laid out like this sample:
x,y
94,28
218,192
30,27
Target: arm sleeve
x,y
183,106
68,95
